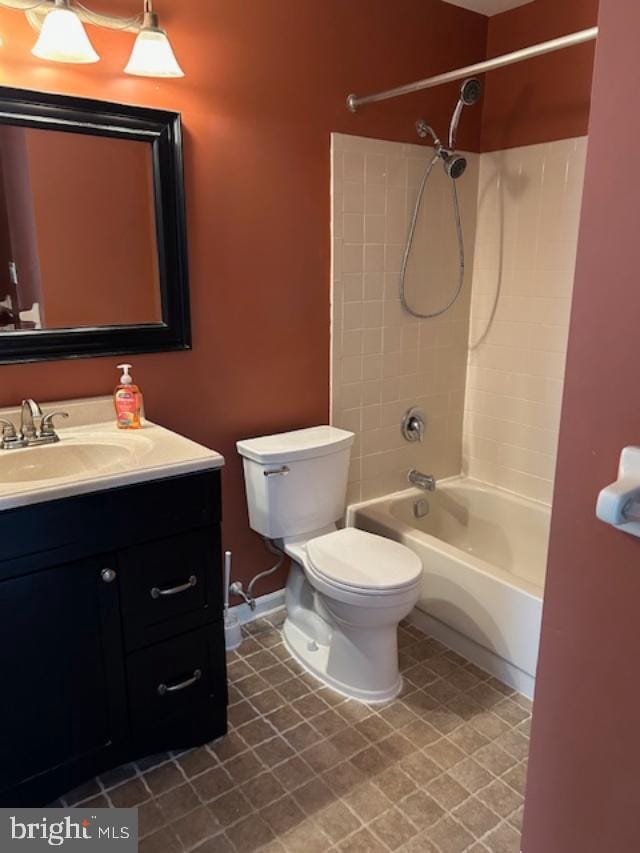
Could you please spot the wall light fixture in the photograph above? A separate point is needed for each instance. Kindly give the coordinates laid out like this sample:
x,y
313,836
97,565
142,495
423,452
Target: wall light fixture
x,y
152,54
63,38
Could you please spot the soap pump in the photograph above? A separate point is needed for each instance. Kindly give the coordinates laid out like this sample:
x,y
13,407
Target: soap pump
x,y
127,399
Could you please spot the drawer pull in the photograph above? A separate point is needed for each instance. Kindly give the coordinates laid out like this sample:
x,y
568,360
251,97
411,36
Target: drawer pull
x,y
163,689
158,592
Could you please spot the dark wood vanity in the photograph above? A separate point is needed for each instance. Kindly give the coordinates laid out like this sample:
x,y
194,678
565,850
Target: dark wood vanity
x,y
111,613
111,630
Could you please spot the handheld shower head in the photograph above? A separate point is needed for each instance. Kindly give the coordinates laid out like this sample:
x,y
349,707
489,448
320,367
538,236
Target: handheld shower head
x,y
470,91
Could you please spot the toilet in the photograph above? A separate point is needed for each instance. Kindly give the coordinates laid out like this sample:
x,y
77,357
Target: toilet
x,y
347,589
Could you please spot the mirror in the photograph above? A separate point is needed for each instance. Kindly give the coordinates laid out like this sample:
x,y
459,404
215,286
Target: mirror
x,y
92,235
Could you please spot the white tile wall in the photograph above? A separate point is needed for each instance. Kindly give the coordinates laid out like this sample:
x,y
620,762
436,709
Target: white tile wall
x,y
490,371
529,203
384,360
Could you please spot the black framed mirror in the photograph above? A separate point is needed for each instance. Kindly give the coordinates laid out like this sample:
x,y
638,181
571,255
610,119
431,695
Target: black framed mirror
x,y
93,252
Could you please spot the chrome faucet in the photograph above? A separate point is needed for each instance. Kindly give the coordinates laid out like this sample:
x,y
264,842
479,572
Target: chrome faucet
x,y
28,412
30,433
422,481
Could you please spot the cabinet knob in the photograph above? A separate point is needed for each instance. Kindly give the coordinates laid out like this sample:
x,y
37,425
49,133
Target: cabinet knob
x,y
108,575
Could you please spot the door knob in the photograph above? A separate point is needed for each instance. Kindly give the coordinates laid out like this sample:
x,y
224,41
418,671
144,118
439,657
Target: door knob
x,y
108,575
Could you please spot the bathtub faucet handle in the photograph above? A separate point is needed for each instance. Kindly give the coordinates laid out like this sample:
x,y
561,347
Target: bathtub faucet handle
x,y
414,424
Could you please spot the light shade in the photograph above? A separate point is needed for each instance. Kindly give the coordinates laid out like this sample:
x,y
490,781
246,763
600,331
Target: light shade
x,y
153,56
63,38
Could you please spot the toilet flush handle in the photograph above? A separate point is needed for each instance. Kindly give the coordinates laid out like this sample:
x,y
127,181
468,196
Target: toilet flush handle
x,y
277,472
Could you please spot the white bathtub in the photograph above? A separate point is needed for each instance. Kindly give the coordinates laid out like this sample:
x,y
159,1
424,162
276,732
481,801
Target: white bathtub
x,y
484,552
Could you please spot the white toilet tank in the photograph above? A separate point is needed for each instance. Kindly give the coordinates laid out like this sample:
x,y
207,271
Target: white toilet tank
x,y
296,481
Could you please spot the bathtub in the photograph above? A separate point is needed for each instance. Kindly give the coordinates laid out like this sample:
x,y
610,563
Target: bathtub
x,y
484,552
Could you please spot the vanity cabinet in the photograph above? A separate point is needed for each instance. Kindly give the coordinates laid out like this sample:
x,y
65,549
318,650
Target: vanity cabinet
x,y
111,632
62,668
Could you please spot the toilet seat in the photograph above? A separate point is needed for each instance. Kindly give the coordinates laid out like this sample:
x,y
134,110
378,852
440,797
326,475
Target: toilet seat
x,y
355,561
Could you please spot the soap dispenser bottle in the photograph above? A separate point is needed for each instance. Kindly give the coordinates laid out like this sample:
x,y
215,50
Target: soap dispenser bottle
x,y
127,399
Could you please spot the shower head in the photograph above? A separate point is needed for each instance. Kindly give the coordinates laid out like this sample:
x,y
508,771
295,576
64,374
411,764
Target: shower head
x,y
455,165
470,91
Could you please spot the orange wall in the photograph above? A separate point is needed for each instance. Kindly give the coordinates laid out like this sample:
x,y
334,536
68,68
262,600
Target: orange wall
x,y
546,98
266,84
21,225
93,204
6,286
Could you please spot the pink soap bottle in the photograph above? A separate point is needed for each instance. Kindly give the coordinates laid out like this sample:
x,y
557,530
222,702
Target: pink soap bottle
x,y
127,399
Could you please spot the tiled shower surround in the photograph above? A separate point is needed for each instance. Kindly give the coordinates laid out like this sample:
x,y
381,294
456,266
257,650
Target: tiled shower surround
x,y
527,233
489,371
383,359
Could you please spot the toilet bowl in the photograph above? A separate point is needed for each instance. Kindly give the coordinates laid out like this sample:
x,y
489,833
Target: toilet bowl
x,y
347,589
363,585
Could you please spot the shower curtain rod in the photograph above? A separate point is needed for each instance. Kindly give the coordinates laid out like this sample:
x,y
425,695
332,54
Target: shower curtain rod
x,y
353,101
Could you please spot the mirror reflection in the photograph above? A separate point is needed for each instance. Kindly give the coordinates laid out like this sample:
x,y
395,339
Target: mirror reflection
x,y
78,240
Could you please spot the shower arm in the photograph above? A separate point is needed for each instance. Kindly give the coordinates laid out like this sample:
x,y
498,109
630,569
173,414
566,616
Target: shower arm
x,y
353,101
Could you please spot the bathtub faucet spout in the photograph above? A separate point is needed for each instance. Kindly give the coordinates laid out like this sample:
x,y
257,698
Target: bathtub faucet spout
x,y
422,481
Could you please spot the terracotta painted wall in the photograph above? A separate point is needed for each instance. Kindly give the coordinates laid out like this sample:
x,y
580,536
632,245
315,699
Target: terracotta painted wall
x,y
266,84
546,98
583,779
95,220
21,224
6,285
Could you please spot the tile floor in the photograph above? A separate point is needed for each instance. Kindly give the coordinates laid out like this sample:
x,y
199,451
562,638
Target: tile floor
x,y
303,770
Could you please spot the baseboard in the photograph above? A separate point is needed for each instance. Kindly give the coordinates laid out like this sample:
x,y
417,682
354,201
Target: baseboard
x,y
265,605
474,652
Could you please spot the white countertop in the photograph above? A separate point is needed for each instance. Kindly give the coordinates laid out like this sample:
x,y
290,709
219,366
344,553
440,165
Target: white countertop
x,y
94,455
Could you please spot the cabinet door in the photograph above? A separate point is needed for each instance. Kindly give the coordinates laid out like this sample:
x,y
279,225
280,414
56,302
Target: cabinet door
x,y
62,696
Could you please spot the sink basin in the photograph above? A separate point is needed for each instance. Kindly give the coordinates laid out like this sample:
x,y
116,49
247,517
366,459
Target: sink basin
x,y
56,461
93,455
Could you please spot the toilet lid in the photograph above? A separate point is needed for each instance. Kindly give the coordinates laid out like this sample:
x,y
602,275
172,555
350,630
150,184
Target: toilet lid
x,y
361,560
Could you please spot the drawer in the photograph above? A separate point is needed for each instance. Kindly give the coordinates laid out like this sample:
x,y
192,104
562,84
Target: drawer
x,y
37,537
170,585
167,681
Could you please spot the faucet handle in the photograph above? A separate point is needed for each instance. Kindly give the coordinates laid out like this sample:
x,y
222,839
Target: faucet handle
x,y
10,437
413,424
46,425
8,428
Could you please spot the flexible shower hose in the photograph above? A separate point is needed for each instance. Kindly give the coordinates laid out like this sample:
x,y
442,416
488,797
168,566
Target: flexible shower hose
x,y
410,241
